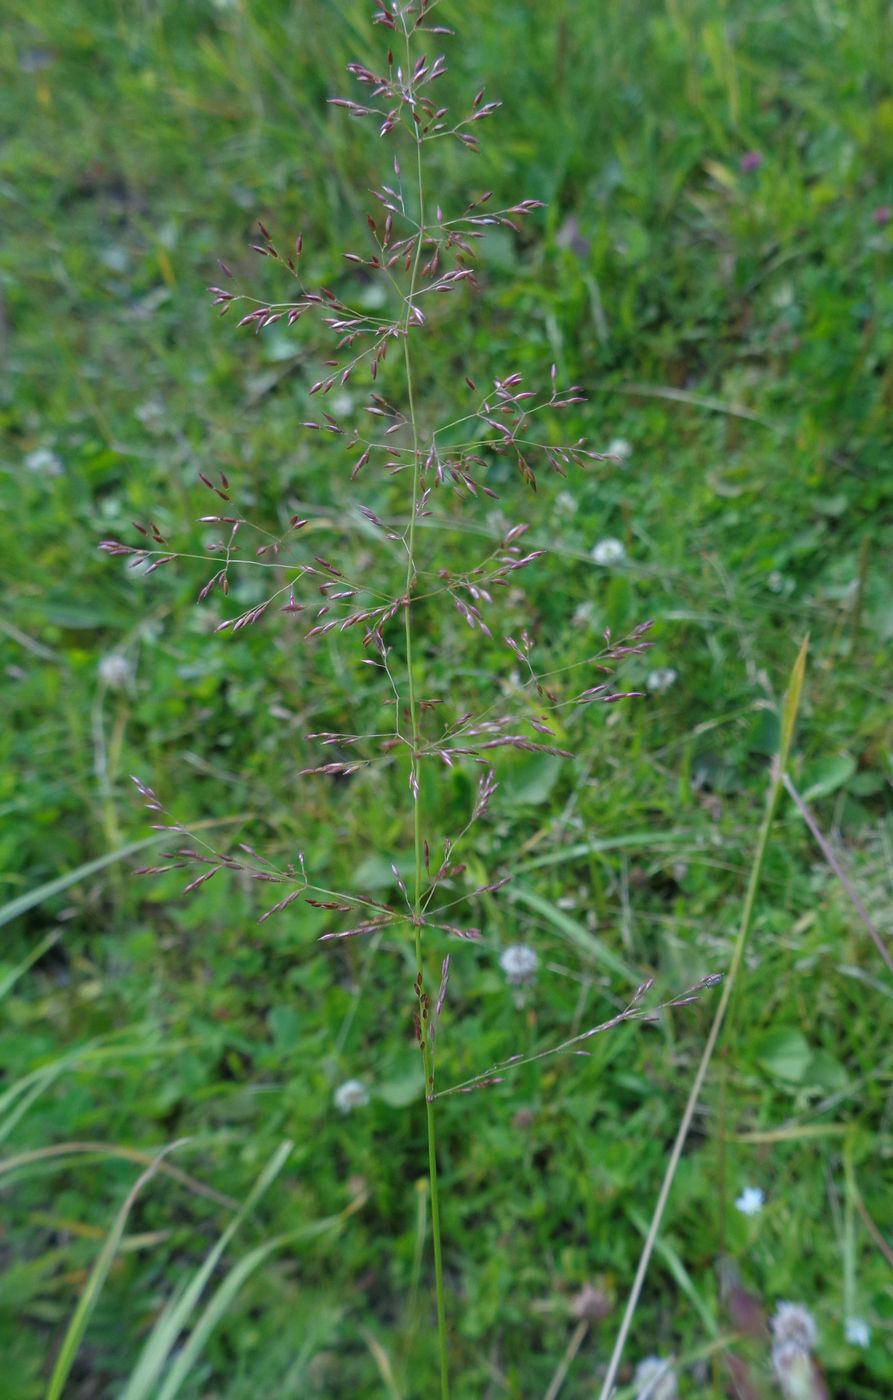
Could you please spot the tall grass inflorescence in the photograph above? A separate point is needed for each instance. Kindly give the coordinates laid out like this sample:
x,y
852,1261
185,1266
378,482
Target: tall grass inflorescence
x,y
417,255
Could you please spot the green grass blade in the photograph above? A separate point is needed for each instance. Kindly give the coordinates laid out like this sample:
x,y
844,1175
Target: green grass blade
x,y
163,1337
28,1095
776,783
223,1296
590,946
36,953
16,907
98,1274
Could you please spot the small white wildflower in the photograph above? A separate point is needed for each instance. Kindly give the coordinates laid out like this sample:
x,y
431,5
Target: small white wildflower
x,y
584,614
751,1201
44,462
152,415
115,671
619,447
661,678
372,296
519,963
794,1323
857,1332
342,404
655,1379
775,582
566,503
607,552
351,1094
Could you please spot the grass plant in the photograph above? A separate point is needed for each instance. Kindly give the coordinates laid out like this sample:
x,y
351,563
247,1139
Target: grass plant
x,y
712,264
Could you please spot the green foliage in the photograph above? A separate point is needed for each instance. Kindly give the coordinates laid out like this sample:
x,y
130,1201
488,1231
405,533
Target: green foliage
x,y
735,327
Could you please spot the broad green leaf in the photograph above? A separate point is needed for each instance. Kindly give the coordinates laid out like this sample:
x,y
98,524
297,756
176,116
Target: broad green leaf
x,y
786,1053
826,775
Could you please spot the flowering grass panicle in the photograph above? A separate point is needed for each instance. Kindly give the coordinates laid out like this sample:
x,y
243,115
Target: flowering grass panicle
x,y
415,256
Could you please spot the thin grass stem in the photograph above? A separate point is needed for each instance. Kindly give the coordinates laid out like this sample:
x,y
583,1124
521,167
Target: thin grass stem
x,y
415,782
776,783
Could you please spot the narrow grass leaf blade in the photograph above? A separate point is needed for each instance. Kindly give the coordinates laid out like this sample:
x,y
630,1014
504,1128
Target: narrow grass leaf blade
x,y
223,1296
776,780
574,932
791,705
36,953
98,1274
16,907
163,1337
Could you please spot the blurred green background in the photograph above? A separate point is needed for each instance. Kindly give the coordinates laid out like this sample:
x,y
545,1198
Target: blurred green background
x,y
714,266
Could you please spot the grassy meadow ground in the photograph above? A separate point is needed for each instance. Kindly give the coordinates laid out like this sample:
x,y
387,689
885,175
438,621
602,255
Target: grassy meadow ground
x,y
714,266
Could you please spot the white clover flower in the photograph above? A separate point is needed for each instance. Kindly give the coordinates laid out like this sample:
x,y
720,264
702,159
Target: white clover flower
x,y
152,415
44,462
607,552
751,1201
351,1094
519,963
661,678
342,404
775,582
566,503
115,671
793,1323
619,447
584,614
655,1379
857,1332
372,296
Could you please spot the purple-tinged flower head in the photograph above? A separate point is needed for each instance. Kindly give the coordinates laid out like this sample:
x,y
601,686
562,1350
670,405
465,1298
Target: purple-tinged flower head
x,y
882,215
750,161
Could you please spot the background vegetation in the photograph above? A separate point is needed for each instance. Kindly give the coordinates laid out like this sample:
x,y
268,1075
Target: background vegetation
x,y
732,320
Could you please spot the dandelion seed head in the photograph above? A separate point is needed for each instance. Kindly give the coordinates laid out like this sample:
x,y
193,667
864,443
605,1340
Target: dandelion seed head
x,y
519,963
661,678
350,1095
607,552
655,1379
751,1201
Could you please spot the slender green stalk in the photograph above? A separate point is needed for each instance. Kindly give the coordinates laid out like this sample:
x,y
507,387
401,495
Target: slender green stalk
x,y
776,784
415,774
